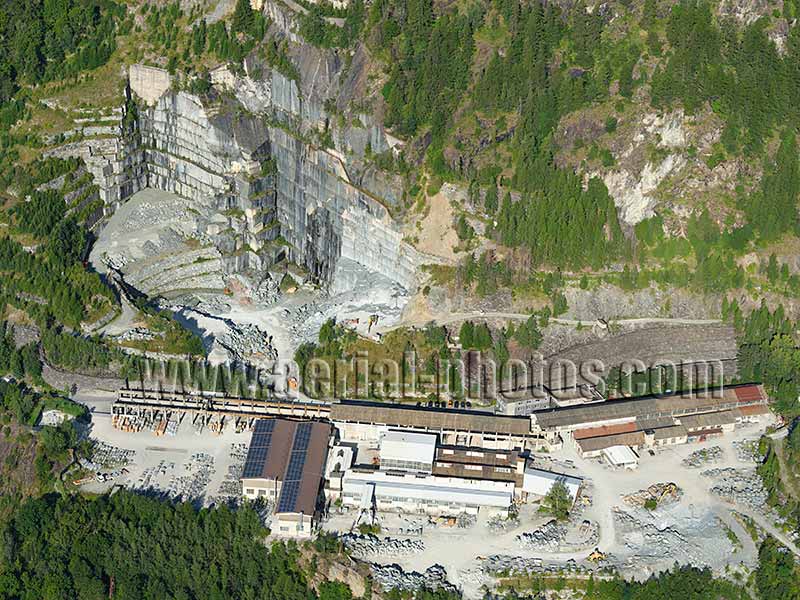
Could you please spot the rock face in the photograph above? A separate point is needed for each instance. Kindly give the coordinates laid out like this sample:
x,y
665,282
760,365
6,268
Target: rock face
x,y
262,190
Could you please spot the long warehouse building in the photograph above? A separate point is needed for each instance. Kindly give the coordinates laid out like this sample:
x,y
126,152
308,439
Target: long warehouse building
x,y
366,422
652,420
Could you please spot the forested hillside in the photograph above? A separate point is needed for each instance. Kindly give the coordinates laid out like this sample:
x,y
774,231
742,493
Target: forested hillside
x,y
542,112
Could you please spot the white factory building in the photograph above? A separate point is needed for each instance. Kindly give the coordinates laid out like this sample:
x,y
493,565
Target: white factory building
x,y
537,482
407,451
428,494
411,472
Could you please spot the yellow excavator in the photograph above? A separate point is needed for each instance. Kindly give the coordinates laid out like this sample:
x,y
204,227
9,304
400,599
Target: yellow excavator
x,y
596,556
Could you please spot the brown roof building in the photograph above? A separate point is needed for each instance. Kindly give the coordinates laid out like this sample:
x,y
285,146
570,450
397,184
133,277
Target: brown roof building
x,y
365,421
285,465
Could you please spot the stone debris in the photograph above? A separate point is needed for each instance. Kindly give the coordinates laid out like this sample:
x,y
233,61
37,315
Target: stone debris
x,y
662,493
106,455
465,521
519,565
499,524
393,577
245,342
742,486
267,292
647,541
368,545
137,334
547,538
213,305
230,490
747,451
190,486
704,456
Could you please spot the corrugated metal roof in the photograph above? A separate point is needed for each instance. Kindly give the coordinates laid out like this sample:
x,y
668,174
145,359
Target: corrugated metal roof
x,y
623,439
397,415
649,407
706,420
674,431
590,432
438,489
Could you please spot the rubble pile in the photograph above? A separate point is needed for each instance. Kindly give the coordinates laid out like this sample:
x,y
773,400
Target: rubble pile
x,y
465,521
267,292
392,577
518,565
363,546
648,540
747,451
662,493
500,525
213,305
137,334
704,456
245,341
743,486
547,538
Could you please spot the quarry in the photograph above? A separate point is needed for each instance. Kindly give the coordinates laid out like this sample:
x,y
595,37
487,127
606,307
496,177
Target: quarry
x,y
251,213
251,235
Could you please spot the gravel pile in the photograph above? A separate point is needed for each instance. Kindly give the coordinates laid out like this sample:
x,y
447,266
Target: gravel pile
x,y
392,577
547,538
702,457
743,486
368,545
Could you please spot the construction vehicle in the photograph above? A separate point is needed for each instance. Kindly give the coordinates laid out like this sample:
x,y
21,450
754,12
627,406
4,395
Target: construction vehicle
x,y
596,556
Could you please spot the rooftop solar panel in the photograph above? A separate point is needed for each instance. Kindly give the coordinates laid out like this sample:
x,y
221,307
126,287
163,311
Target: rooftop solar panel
x,y
289,494
294,470
254,464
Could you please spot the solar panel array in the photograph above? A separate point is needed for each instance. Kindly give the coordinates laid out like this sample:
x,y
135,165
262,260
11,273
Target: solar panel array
x,y
290,488
259,448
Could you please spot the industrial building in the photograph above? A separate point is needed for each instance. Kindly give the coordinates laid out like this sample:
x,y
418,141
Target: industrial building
x,y
432,495
537,483
407,451
367,422
285,465
402,479
413,473
651,421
